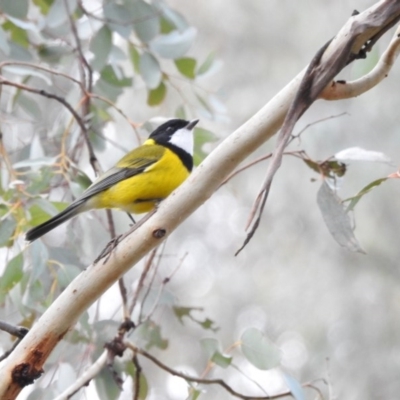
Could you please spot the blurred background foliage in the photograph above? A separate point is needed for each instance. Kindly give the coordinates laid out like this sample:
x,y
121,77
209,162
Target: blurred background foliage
x,y
294,306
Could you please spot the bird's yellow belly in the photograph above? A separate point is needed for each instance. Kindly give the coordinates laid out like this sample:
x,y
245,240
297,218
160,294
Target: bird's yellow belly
x,y
142,192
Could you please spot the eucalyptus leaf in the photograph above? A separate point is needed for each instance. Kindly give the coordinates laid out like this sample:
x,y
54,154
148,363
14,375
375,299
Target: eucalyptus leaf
x,y
26,25
39,256
259,350
114,75
207,64
18,35
4,46
118,19
157,95
175,44
24,71
7,228
135,57
174,17
37,162
143,384
150,70
12,274
100,46
294,387
355,199
19,53
107,388
17,9
145,19
29,105
336,219
58,14
186,66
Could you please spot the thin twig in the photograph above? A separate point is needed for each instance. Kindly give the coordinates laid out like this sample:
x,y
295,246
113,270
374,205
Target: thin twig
x,y
85,378
142,278
18,331
43,93
190,378
138,372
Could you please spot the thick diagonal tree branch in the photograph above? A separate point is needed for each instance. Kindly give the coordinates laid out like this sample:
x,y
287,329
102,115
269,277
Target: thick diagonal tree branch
x,y
26,363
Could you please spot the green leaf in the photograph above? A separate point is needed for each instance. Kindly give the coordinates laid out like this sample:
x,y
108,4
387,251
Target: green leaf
x,y
113,75
52,53
259,350
355,199
27,72
44,5
156,96
194,394
135,58
221,360
19,53
143,385
57,15
4,46
150,333
206,64
150,70
118,19
173,17
186,66
100,46
336,218
111,92
214,353
181,312
42,210
107,389
18,35
175,44
7,228
201,137
29,105
11,275
146,20
17,9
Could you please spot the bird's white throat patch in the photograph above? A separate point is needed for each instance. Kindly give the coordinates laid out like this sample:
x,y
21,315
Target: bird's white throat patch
x,y
183,138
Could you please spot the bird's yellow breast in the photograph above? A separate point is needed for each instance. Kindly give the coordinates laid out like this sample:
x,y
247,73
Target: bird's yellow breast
x,y
141,192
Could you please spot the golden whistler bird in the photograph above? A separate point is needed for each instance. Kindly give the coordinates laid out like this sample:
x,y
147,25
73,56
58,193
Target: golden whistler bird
x,y
140,180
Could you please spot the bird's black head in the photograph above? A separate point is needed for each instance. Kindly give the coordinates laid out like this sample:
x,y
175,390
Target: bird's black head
x,y
177,135
164,133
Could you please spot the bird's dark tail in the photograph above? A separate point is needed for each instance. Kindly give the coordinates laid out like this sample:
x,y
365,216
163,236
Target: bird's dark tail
x,y
38,231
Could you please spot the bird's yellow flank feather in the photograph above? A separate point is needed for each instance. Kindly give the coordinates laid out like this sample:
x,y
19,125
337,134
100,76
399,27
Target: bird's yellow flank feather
x,y
141,192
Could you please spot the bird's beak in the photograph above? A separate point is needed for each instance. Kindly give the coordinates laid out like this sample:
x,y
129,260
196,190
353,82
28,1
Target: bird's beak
x,y
191,124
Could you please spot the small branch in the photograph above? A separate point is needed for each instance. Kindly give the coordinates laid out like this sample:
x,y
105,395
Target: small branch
x,y
190,378
354,39
41,68
43,93
85,378
165,281
138,372
339,90
87,84
18,331
142,278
